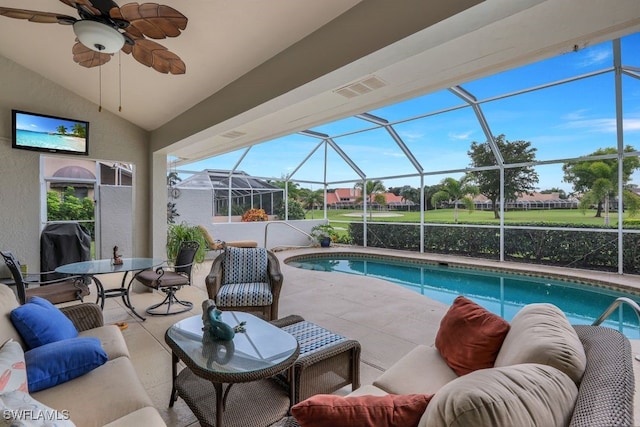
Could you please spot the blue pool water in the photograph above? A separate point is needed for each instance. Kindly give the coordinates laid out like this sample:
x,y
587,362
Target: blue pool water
x,y
500,292
45,140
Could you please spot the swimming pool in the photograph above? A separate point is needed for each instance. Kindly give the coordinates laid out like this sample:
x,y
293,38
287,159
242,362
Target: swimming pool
x,y
500,292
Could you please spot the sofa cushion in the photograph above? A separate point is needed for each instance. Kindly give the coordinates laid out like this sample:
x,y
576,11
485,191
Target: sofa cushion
x,y
58,362
470,336
328,410
111,338
13,375
245,265
244,294
39,322
14,405
541,333
101,396
422,370
367,389
8,302
518,395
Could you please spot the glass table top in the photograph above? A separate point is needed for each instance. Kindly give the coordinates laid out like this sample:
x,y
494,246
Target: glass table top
x,y
103,266
262,346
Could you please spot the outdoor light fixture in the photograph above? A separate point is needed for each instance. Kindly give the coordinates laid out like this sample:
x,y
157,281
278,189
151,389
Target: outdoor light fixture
x,y
98,36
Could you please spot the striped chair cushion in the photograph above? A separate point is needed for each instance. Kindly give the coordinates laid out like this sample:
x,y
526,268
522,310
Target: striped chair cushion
x,y
244,295
244,265
313,338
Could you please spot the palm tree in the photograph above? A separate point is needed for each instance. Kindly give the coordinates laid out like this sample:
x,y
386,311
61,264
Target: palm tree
x,y
79,130
456,191
310,199
603,187
375,193
372,188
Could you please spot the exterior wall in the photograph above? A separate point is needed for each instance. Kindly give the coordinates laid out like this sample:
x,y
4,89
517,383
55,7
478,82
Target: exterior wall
x,y
110,138
195,207
278,234
116,227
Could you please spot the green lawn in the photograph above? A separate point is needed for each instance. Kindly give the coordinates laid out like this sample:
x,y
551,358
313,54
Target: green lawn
x,y
560,216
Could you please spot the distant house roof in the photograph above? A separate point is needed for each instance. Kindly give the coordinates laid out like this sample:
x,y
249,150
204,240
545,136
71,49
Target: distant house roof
x,y
219,179
74,172
348,196
525,197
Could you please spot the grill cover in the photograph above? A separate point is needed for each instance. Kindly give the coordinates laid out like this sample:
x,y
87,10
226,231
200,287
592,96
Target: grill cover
x,y
63,244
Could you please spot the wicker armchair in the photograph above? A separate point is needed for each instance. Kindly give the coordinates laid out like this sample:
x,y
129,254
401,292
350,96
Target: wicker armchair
x,y
246,279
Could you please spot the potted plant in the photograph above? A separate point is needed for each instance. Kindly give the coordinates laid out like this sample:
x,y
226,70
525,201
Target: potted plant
x,y
324,234
178,233
255,215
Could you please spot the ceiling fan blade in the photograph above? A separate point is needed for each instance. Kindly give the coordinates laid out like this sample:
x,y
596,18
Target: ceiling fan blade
x,y
156,56
86,5
151,20
87,57
37,16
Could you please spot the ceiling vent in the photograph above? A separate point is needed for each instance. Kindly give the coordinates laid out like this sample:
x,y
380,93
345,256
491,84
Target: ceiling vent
x,y
233,134
361,87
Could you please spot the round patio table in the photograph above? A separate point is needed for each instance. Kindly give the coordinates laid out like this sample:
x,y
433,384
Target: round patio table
x,y
105,266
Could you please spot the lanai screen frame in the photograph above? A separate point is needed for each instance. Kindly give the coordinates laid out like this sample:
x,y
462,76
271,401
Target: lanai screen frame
x,y
239,185
468,100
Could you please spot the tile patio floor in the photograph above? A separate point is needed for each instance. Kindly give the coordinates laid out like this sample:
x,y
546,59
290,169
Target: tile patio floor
x,y
386,319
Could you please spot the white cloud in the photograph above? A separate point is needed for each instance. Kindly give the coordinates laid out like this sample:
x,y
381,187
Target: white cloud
x,y
394,154
592,125
593,57
602,125
575,115
460,135
631,124
411,136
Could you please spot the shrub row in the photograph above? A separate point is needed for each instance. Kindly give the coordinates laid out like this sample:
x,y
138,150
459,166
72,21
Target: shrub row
x,y
587,249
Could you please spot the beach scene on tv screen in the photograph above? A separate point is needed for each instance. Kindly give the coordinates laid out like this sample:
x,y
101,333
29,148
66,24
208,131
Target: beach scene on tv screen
x,y
50,133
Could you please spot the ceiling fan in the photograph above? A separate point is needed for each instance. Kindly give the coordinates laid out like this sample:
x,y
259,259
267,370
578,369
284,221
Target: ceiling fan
x,y
105,28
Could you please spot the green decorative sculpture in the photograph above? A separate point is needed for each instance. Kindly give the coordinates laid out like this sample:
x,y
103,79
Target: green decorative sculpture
x,y
213,324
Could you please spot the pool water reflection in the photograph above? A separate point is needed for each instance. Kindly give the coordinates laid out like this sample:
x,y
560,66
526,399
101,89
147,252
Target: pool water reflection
x,y
500,292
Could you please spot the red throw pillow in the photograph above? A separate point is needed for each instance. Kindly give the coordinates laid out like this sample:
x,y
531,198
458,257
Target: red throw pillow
x,y
470,337
392,410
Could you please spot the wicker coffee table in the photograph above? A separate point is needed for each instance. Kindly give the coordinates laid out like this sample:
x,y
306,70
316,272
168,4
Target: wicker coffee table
x,y
213,367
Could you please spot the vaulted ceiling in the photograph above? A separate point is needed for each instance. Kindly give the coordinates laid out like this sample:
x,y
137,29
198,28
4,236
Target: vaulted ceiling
x,y
259,69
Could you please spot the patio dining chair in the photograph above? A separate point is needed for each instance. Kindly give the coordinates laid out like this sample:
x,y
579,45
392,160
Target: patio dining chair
x,y
246,279
56,291
171,278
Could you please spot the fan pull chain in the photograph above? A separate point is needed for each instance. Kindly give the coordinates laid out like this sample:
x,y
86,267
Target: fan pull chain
x,y
99,88
120,80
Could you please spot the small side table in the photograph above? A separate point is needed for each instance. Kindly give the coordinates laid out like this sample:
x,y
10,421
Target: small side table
x,y
327,361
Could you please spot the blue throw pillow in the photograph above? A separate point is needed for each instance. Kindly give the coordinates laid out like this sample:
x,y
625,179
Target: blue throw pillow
x,y
57,362
39,322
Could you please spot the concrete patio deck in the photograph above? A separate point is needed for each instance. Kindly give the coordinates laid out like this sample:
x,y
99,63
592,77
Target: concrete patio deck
x,y
387,319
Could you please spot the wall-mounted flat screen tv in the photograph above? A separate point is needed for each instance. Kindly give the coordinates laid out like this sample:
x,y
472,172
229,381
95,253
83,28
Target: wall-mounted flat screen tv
x,y
51,134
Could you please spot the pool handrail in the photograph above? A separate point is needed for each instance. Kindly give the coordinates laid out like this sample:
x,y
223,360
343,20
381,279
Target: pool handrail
x,y
614,305
266,229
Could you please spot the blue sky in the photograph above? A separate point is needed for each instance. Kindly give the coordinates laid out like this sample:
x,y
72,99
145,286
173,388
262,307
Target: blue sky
x,y
562,121
36,123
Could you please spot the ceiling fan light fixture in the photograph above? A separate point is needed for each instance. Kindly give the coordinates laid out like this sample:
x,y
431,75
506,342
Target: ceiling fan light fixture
x,y
98,36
